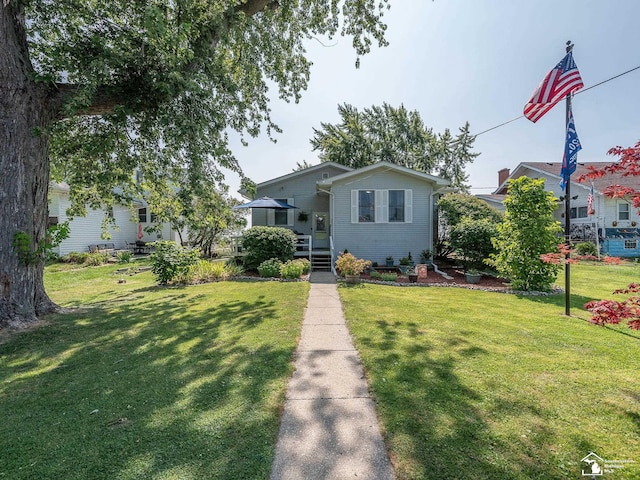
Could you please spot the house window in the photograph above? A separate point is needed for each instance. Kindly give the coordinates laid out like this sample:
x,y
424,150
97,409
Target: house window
x,y
325,175
623,211
142,215
366,206
381,206
281,218
396,205
579,212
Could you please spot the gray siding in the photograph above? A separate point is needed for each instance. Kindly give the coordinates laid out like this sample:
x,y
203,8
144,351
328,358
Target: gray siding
x,y
376,241
302,189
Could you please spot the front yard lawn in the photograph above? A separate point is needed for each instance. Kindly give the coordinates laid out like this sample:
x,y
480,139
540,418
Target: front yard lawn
x,y
479,385
148,382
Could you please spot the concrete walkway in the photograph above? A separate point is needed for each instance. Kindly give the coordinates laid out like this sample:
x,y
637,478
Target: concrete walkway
x,y
329,428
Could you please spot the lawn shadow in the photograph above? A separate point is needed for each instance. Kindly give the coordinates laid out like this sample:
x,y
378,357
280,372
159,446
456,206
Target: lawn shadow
x,y
146,390
442,426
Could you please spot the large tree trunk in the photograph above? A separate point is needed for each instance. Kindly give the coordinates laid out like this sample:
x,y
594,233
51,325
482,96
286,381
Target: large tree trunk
x,y
24,176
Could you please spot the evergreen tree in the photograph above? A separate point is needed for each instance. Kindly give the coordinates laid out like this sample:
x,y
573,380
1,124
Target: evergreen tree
x,y
395,135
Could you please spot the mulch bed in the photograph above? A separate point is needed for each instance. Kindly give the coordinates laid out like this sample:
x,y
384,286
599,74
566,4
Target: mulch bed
x,y
458,278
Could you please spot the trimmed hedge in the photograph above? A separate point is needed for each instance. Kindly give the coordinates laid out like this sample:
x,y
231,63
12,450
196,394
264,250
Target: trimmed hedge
x,y
264,243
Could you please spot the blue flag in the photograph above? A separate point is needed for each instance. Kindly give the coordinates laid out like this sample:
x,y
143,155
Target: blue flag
x,y
571,148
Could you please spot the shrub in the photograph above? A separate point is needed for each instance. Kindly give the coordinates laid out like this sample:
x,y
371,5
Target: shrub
x,y
124,256
234,269
306,265
528,231
586,248
270,268
389,277
376,275
75,257
207,271
471,240
291,269
96,259
350,265
171,261
264,243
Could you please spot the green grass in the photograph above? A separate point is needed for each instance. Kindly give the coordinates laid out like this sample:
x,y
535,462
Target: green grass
x,y
479,385
148,382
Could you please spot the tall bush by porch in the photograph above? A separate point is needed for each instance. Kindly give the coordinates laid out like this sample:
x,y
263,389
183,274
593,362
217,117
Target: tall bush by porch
x,y
262,243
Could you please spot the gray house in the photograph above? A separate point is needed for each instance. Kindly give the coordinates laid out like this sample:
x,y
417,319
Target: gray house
x,y
376,211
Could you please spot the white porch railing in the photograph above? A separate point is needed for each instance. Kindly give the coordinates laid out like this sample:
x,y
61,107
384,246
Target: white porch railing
x,y
304,246
331,249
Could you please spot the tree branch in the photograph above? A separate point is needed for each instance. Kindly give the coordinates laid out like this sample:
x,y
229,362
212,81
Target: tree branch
x,y
107,98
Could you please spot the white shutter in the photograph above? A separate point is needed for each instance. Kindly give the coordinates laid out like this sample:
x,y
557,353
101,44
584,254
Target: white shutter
x,y
408,206
354,206
382,206
290,213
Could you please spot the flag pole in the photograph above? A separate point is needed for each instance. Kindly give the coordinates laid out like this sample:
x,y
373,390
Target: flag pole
x,y
567,215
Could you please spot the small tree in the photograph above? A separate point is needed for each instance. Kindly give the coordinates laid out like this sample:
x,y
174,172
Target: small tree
x,y
264,243
527,232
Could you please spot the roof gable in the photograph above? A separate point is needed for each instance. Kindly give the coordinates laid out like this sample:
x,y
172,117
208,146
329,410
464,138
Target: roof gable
x,y
553,169
297,173
384,166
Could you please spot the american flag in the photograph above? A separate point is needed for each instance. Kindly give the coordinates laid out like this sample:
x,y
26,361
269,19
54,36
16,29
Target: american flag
x,y
590,209
557,84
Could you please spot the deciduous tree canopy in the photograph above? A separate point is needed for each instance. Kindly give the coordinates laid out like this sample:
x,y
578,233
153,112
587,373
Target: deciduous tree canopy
x,y
101,88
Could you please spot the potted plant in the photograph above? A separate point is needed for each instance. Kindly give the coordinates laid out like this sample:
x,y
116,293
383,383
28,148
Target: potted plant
x,y
404,264
351,267
472,275
425,256
389,261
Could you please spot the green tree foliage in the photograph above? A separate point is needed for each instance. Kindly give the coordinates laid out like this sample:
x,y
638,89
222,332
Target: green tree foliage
x,y
396,135
205,212
264,243
302,166
95,90
527,232
453,208
472,240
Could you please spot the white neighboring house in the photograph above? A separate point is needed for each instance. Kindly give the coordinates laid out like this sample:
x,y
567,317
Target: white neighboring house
x,y
615,224
85,231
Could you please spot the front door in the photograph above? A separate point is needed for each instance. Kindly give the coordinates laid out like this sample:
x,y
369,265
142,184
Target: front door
x,y
320,230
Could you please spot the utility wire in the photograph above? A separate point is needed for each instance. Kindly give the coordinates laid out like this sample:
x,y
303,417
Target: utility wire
x,y
577,93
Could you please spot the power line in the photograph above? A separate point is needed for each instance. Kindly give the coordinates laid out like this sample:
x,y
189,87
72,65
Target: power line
x,y
577,93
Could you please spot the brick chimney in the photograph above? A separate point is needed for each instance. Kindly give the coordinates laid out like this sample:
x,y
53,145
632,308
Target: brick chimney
x,y
503,175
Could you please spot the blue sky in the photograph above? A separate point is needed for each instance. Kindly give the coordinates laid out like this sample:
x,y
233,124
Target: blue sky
x,y
479,61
